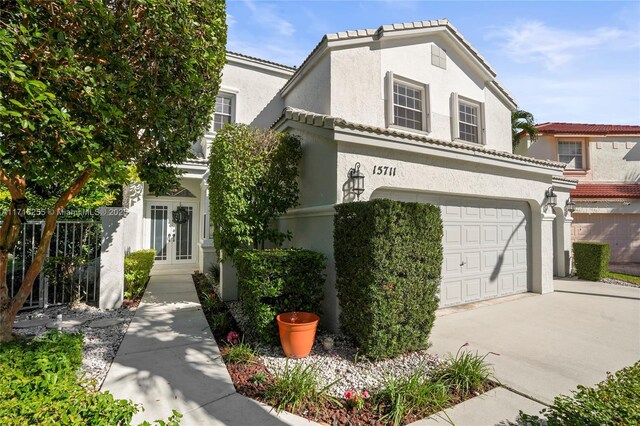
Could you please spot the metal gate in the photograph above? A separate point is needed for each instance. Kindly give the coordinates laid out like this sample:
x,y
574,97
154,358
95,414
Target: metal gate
x,y
71,270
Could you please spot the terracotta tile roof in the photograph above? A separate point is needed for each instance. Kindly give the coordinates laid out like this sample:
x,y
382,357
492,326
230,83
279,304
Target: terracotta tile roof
x,y
588,129
606,190
329,122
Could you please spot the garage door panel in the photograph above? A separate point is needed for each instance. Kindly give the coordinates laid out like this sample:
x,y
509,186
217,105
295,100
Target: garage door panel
x,y
490,287
452,263
471,235
471,289
484,247
450,292
620,231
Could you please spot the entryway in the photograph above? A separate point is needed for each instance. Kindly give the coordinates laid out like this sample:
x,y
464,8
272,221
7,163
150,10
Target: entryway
x,y
170,227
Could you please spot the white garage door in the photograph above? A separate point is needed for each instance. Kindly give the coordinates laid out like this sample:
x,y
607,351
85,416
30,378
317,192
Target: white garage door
x,y
484,246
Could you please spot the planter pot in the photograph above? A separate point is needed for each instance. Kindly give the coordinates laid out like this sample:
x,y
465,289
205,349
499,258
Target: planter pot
x,y
297,332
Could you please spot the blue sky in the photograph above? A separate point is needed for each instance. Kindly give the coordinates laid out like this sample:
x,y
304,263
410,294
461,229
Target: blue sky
x,y
563,61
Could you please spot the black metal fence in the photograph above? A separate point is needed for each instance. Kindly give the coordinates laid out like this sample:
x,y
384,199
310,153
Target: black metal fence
x,y
71,272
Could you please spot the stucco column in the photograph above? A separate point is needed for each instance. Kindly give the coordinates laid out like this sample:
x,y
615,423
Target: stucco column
x,y
228,281
568,252
546,249
112,258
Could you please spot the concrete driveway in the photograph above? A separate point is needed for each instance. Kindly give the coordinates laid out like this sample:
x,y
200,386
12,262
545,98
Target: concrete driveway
x,y
548,344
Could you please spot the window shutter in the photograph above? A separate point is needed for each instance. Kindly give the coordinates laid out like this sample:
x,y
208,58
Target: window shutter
x,y
427,109
483,131
455,128
389,98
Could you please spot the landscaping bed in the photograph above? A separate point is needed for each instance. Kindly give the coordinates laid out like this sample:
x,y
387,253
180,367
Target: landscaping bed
x,y
102,332
338,385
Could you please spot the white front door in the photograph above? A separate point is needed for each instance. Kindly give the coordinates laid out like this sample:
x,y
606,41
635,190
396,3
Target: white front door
x,y
173,241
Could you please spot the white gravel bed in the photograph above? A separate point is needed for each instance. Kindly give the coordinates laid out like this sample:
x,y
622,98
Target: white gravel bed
x,y
341,365
100,344
618,282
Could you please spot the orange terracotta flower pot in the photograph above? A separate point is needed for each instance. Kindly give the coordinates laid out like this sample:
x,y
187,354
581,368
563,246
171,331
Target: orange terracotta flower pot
x,y
297,333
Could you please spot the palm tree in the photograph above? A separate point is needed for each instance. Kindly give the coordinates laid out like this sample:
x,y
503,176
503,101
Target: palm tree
x,y
522,121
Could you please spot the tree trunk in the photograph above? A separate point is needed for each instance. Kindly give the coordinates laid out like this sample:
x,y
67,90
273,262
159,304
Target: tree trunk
x,y
9,308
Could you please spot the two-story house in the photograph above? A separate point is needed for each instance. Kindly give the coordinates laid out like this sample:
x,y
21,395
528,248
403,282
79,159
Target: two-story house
x,y
605,159
419,113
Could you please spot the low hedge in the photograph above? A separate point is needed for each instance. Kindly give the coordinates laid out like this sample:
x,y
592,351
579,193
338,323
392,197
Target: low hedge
x,y
39,386
271,282
388,258
137,267
615,401
591,260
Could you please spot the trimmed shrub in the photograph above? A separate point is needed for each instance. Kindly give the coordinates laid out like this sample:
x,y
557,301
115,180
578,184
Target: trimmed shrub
x,y
40,386
615,401
137,267
388,262
592,260
271,282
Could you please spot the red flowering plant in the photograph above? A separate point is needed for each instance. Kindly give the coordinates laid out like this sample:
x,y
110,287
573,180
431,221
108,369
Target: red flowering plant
x,y
233,338
356,399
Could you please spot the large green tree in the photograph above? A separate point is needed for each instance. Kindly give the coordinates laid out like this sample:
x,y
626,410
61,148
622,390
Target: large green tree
x,y
90,87
522,121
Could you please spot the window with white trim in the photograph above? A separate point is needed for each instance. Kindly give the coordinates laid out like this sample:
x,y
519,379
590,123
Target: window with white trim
x,y
467,119
407,103
570,153
223,111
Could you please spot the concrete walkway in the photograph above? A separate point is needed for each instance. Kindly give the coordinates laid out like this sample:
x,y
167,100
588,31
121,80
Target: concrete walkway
x,y
169,360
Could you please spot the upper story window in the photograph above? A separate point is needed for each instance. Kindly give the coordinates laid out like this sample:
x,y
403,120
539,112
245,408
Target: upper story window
x,y
224,111
570,152
438,57
467,119
407,103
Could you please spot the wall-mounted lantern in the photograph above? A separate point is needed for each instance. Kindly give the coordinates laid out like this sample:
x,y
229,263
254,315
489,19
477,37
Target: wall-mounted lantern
x,y
357,180
552,198
570,206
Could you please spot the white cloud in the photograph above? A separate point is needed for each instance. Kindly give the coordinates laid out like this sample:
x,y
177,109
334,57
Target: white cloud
x,y
266,16
535,42
231,21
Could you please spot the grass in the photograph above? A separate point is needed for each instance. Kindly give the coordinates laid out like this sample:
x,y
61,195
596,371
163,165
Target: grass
x,y
464,373
615,401
295,387
423,393
415,394
242,353
631,279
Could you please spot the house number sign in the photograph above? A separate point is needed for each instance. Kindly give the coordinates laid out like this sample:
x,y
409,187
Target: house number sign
x,y
384,170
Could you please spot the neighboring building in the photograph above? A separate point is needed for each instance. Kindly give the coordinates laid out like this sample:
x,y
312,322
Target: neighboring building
x,y
420,112
605,159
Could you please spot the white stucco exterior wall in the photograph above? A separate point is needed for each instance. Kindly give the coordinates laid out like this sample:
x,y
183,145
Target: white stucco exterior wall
x,y
615,159
313,89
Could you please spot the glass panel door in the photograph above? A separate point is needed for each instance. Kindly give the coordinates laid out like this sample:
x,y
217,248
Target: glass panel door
x,y
184,236
159,231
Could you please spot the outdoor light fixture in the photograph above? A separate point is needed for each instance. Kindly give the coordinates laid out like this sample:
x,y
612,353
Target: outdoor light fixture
x,y
552,199
357,180
570,206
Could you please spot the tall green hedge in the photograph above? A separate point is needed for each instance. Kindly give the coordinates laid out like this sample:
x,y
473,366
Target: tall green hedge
x,y
592,260
388,258
137,268
280,280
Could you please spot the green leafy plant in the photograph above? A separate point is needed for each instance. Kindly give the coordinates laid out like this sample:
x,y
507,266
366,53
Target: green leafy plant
x,y
271,282
259,377
356,399
137,268
416,393
614,401
295,387
40,386
388,258
90,88
464,373
242,353
219,322
591,260
252,181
